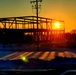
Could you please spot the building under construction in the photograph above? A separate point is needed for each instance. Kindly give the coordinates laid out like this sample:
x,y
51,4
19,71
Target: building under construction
x,y
24,28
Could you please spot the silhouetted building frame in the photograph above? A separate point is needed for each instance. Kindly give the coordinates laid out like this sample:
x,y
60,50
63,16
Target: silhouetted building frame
x,y
27,25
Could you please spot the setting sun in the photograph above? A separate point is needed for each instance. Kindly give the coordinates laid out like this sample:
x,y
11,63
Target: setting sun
x,y
57,25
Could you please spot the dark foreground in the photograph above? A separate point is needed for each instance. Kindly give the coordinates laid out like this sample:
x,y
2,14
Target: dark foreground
x,y
65,59
34,66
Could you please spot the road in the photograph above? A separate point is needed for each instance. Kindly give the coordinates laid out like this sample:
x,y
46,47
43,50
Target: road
x,y
47,55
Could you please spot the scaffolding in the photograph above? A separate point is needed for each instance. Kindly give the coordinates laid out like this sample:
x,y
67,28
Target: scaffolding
x,y
27,25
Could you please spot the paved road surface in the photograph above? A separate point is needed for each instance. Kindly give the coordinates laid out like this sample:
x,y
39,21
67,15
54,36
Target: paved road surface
x,y
47,55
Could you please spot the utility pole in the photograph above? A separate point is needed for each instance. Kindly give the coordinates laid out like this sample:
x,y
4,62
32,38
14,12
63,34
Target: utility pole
x,y
35,5
37,24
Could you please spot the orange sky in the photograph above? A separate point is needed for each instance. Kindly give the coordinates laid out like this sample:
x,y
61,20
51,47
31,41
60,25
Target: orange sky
x,y
63,10
55,9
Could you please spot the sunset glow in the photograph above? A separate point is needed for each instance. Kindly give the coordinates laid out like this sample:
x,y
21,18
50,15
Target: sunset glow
x,y
55,9
57,25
